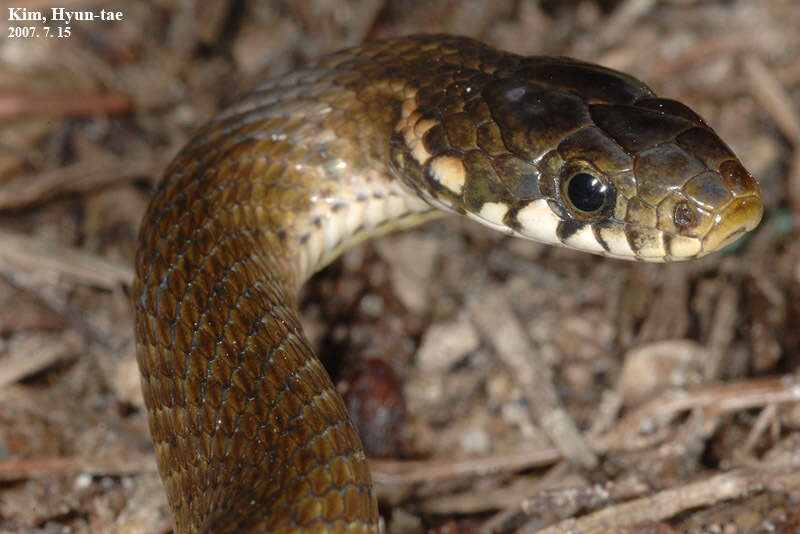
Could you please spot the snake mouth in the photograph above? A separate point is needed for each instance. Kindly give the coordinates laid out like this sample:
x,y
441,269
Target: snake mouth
x,y
649,244
738,218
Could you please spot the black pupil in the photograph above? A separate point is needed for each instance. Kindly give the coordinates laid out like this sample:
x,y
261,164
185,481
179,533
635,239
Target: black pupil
x,y
586,192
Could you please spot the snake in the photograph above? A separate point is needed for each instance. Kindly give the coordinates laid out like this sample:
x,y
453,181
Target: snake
x,y
250,434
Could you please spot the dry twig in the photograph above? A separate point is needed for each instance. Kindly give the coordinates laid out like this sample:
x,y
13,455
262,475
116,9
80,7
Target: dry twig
x,y
715,400
32,254
668,503
496,321
16,106
394,472
25,191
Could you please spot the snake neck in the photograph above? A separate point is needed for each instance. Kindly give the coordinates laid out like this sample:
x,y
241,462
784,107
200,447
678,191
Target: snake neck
x,y
249,431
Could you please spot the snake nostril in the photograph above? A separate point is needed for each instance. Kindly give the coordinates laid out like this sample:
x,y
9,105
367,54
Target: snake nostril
x,y
684,216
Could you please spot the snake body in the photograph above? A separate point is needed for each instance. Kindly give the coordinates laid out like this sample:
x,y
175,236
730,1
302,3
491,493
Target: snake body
x,y
249,432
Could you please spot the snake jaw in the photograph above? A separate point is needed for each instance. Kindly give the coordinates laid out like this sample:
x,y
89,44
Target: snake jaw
x,y
625,240
621,239
739,217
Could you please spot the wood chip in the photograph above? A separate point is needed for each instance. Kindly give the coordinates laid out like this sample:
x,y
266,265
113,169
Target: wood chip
x,y
31,354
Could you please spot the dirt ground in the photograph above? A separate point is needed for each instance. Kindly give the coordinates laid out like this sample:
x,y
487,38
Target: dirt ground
x,y
501,385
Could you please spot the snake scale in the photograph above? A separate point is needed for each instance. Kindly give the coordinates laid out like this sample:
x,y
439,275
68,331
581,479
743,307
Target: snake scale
x,y
250,434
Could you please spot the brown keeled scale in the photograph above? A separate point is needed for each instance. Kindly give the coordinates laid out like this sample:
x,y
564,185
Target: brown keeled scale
x,y
249,432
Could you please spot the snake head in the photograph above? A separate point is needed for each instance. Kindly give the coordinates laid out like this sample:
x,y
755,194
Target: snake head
x,y
561,151
684,194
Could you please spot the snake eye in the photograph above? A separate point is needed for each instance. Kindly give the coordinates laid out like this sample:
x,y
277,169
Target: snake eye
x,y
586,192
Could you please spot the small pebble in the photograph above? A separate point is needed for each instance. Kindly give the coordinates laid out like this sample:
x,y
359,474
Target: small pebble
x,y
658,366
445,344
83,481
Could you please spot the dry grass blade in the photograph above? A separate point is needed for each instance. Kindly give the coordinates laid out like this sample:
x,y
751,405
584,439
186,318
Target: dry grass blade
x,y
771,94
624,17
19,251
93,465
394,472
25,191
